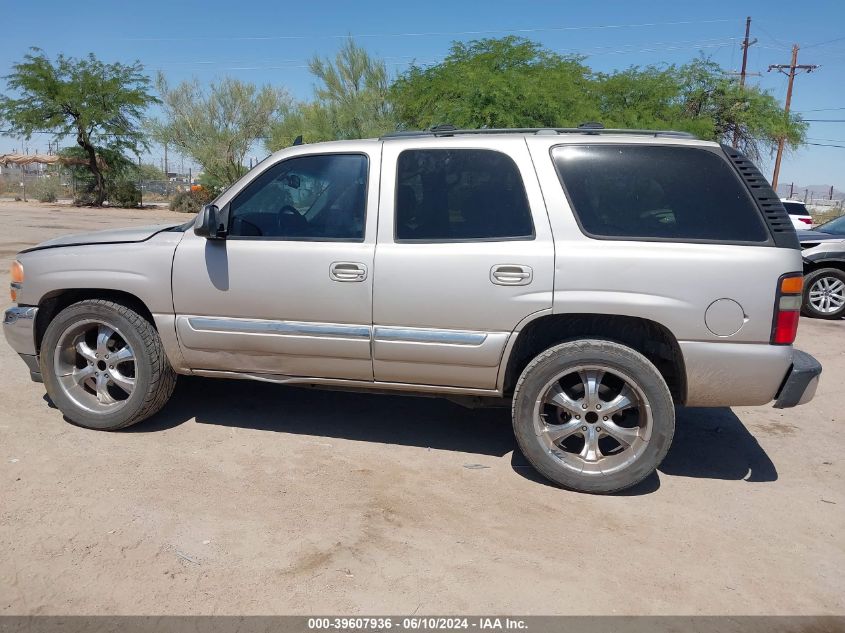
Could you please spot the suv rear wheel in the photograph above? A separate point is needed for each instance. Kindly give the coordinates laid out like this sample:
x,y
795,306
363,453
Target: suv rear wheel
x,y
593,415
104,366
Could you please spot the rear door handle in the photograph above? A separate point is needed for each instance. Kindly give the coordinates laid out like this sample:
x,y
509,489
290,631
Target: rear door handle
x,y
347,271
511,275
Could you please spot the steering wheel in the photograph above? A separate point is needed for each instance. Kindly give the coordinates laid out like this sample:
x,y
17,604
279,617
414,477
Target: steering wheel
x,y
292,221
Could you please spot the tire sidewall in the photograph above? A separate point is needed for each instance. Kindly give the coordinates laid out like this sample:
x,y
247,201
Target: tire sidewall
x,y
143,369
614,356
807,308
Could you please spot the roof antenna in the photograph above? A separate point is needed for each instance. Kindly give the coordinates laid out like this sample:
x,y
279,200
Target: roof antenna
x,y
297,140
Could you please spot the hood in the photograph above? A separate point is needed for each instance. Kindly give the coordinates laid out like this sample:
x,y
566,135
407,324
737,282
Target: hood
x,y
817,236
110,236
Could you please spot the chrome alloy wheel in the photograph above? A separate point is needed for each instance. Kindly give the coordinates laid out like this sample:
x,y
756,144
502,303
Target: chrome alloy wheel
x,y
95,366
827,295
593,419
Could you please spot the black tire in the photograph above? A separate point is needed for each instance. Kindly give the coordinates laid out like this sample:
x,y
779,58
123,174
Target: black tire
x,y
807,308
616,358
154,377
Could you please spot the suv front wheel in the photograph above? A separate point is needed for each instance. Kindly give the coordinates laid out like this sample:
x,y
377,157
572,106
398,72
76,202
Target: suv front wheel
x,y
104,366
593,415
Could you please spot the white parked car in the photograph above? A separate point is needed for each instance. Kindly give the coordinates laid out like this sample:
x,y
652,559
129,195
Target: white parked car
x,y
801,218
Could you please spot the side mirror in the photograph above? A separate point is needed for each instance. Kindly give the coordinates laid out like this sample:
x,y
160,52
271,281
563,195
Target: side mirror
x,y
208,223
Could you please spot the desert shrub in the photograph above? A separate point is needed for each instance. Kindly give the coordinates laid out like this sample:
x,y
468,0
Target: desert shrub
x,y
83,198
45,189
190,201
124,193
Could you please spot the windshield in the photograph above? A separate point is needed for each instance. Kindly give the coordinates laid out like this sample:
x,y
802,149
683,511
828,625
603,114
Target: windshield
x,y
834,227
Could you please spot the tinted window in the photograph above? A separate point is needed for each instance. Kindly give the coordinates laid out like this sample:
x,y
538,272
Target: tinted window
x,y
306,198
795,208
675,193
834,227
460,194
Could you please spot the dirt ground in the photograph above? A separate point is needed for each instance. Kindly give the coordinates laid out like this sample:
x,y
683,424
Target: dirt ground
x,y
252,498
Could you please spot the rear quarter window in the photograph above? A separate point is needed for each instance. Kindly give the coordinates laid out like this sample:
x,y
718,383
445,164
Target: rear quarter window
x,y
672,193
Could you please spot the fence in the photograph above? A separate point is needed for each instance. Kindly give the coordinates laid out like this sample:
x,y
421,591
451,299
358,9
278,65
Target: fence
x,y
52,186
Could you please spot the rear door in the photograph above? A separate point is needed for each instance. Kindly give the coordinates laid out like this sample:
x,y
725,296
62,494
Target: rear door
x,y
464,255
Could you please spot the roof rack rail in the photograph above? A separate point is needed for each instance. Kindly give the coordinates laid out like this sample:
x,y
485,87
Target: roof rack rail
x,y
442,130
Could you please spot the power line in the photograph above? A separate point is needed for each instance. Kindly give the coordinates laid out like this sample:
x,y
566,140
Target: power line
x,y
293,64
773,38
438,33
822,109
825,145
825,120
836,39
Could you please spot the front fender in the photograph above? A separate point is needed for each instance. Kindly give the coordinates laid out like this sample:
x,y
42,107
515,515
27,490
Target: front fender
x,y
142,269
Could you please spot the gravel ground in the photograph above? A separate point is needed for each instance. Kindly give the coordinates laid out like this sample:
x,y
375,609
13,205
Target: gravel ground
x,y
252,498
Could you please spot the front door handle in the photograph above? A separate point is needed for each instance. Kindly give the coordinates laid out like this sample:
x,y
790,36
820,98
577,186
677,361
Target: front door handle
x,y
511,275
347,271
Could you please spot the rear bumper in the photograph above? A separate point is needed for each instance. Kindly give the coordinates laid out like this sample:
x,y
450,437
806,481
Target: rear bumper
x,y
801,381
747,374
19,329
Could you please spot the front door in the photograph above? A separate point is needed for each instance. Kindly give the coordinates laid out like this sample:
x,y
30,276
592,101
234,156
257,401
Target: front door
x,y
289,291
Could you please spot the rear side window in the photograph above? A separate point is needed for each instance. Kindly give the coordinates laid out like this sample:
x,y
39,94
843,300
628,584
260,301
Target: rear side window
x,y
795,208
657,192
460,195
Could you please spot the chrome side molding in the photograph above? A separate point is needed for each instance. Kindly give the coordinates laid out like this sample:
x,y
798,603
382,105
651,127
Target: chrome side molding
x,y
337,330
289,328
421,335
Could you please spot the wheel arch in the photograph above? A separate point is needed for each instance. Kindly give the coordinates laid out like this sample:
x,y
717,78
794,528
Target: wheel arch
x,y
57,300
652,339
811,265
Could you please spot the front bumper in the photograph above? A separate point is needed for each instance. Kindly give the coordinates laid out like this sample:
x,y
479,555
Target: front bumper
x,y
802,379
19,329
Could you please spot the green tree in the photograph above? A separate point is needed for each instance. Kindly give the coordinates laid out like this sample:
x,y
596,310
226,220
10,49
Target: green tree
x,y
507,82
115,168
697,97
148,171
101,104
350,101
513,82
217,126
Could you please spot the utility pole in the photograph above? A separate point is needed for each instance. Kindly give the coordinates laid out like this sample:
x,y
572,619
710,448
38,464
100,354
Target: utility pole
x,y
166,170
742,73
140,183
745,45
792,66
791,189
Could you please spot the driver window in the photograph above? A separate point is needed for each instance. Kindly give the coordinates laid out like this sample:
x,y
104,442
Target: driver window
x,y
318,197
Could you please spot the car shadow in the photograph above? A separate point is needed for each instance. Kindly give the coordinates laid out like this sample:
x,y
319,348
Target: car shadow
x,y
709,443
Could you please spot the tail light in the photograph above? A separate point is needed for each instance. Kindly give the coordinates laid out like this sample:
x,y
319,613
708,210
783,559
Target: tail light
x,y
806,220
787,309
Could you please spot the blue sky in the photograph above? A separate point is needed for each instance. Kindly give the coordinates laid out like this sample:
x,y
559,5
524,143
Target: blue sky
x,y
270,42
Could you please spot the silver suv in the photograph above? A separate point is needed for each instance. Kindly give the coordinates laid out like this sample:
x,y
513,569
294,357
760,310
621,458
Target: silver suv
x,y
593,278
